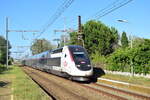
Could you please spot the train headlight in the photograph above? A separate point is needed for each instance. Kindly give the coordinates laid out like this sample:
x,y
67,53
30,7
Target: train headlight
x,y
89,65
78,65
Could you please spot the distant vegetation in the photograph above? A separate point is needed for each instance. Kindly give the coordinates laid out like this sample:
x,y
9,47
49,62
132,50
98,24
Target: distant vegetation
x,y
41,45
102,44
2,68
3,49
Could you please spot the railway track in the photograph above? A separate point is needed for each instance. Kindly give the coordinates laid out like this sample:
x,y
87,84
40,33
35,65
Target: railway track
x,y
127,95
124,92
62,89
50,87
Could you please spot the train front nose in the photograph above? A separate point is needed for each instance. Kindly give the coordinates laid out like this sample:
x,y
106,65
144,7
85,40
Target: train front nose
x,y
83,65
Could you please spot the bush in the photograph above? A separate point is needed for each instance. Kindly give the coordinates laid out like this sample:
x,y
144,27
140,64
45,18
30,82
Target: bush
x,y
119,60
98,60
141,60
137,57
2,68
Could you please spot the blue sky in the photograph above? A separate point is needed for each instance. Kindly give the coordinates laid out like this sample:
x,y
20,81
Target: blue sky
x,y
35,14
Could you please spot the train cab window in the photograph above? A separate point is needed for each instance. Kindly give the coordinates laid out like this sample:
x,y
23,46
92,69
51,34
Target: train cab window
x,y
79,55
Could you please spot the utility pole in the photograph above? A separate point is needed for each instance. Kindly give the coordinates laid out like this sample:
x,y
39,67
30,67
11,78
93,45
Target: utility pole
x,y
65,30
7,42
7,31
80,34
131,45
41,45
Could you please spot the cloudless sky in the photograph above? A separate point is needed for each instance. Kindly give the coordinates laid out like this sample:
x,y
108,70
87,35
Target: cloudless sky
x,y
35,14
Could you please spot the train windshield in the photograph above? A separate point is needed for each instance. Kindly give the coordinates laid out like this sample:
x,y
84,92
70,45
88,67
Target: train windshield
x,y
80,55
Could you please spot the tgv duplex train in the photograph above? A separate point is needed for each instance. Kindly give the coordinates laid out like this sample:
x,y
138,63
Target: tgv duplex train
x,y
69,61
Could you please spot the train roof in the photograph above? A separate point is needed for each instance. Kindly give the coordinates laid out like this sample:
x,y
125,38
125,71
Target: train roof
x,y
74,46
53,50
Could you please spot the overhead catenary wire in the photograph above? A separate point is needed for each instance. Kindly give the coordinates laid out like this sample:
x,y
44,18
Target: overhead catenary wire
x,y
56,15
103,9
110,8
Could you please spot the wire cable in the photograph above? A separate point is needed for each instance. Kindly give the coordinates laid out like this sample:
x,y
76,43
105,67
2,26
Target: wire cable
x,y
56,15
110,8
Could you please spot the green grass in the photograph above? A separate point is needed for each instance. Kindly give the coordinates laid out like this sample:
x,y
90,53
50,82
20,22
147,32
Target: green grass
x,y
23,87
138,81
134,80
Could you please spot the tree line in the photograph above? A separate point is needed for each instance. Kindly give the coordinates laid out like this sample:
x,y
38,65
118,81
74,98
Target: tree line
x,y
3,51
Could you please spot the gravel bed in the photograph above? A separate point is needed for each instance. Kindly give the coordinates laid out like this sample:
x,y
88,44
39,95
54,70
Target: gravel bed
x,y
74,87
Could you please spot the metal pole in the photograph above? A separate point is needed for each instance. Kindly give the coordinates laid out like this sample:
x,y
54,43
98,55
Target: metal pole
x,y
79,24
80,34
131,44
64,32
7,42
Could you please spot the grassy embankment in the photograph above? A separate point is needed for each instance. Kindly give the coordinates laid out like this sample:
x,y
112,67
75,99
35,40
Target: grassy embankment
x,y
23,87
139,82
129,79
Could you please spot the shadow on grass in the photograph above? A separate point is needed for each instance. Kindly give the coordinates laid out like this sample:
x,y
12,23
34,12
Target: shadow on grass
x,y
97,72
3,84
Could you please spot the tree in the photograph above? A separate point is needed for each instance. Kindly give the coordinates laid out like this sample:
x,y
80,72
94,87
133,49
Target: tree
x,y
124,40
99,37
137,41
3,50
73,38
40,45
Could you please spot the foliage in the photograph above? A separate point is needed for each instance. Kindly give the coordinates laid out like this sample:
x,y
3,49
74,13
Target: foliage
x,y
98,60
73,38
125,58
2,68
99,37
101,43
141,58
136,41
40,45
11,60
119,60
3,50
124,40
